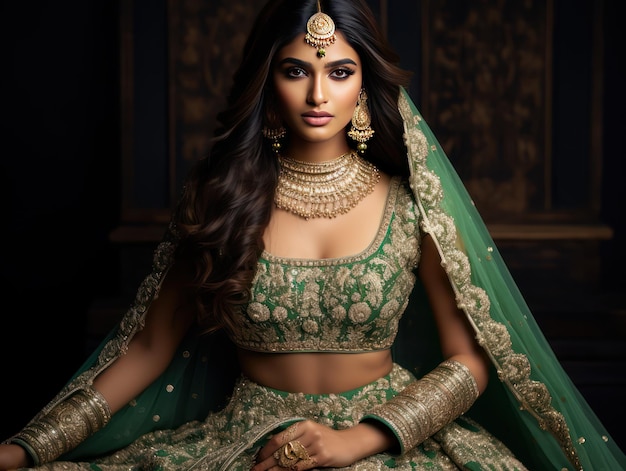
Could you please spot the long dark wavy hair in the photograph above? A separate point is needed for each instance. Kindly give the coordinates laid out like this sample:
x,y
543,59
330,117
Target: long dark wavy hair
x,y
228,196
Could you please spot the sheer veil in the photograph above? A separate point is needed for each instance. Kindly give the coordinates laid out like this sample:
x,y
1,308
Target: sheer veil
x,y
554,422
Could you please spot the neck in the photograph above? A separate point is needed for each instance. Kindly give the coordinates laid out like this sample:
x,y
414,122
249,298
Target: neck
x,y
316,151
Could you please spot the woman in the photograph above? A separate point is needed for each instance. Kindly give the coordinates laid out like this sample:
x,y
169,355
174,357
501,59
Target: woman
x,y
324,225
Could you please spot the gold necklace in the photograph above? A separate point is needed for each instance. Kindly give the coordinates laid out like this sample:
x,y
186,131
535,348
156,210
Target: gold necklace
x,y
326,189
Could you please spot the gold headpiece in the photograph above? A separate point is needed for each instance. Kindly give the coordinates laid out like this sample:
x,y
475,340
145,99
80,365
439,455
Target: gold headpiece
x,y
320,31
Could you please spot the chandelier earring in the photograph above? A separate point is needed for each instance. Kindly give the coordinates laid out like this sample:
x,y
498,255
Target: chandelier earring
x,y
275,135
361,130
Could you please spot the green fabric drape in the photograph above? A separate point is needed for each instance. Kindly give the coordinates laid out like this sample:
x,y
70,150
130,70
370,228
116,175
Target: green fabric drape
x,y
552,425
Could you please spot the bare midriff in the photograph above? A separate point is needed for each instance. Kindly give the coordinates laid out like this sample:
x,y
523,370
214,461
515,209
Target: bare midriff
x,y
315,373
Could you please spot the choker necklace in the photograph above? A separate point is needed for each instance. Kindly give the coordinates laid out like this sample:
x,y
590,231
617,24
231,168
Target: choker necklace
x,y
327,189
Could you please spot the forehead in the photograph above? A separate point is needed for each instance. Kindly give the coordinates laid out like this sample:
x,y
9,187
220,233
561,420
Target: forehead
x,y
300,49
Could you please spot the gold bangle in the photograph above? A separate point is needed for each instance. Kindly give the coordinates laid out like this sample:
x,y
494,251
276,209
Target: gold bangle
x,y
426,405
65,426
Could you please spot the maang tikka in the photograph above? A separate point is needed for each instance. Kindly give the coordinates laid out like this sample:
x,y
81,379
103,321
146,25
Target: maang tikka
x,y
361,130
320,31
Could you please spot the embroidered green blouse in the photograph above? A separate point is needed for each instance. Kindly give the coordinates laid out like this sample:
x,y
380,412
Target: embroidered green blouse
x,y
349,304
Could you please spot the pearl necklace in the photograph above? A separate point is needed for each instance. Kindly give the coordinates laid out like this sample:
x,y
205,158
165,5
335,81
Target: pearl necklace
x,y
326,189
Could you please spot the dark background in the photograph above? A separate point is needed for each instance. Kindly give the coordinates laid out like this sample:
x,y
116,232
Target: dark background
x,y
61,186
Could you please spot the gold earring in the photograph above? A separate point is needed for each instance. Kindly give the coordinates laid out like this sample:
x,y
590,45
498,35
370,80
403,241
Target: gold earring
x,y
361,130
275,135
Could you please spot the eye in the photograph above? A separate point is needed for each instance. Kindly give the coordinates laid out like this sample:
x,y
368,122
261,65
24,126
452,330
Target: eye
x,y
295,72
342,74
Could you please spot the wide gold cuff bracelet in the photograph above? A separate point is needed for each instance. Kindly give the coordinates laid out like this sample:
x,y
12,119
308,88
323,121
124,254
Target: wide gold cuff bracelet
x,y
426,405
64,427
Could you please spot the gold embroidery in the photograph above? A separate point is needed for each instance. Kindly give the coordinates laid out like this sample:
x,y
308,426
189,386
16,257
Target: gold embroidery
x,y
342,305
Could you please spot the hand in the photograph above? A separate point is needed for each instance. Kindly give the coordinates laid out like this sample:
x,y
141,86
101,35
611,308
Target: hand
x,y
314,445
12,457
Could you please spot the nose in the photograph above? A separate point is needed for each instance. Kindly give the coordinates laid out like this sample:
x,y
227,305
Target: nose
x,y
317,92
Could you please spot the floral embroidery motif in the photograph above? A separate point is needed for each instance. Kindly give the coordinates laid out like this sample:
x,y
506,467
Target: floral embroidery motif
x,y
341,305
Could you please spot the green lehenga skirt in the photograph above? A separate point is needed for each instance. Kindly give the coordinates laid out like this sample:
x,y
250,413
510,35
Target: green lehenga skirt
x,y
229,439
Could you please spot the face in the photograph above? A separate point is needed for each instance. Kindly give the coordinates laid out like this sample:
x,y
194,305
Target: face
x,y
317,96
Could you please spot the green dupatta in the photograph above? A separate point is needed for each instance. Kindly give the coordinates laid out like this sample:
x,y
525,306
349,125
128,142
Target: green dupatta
x,y
551,425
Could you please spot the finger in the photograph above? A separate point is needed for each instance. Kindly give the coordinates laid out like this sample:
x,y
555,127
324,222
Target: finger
x,y
290,455
290,433
273,461
277,441
268,464
303,465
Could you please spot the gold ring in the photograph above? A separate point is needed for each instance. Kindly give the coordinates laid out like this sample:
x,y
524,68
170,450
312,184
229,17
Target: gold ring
x,y
290,453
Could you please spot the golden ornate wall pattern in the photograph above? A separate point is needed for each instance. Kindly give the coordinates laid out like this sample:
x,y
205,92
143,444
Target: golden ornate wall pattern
x,y
206,40
486,94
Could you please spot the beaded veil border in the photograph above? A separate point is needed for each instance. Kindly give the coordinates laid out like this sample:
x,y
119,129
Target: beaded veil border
x,y
514,369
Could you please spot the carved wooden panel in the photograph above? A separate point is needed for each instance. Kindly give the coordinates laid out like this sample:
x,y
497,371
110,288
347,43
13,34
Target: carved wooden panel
x,y
206,40
486,94
177,61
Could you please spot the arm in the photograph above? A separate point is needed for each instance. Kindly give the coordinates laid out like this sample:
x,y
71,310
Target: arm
x,y
449,390
149,352
151,349
455,334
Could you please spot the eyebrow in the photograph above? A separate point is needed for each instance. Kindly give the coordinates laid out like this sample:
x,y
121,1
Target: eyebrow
x,y
304,64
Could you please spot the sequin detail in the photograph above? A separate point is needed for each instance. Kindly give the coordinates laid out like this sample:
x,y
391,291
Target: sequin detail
x,y
350,304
